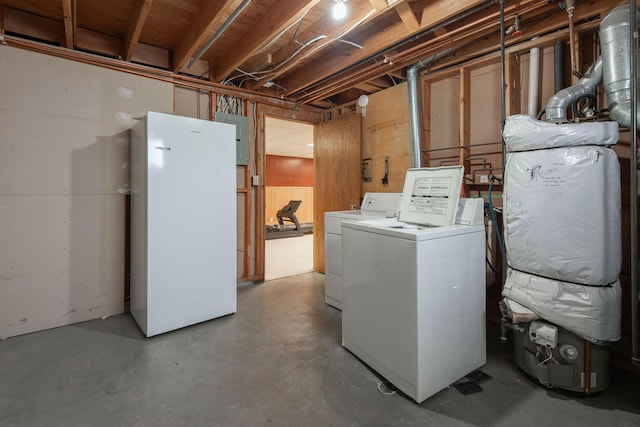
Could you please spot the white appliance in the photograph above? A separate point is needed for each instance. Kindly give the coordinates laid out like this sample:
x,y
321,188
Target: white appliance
x,y
183,222
374,205
413,293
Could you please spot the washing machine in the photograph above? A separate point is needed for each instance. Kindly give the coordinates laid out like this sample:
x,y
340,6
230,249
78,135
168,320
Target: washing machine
x,y
414,288
374,205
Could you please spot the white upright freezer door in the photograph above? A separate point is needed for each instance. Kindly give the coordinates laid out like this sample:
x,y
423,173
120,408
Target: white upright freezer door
x,y
191,221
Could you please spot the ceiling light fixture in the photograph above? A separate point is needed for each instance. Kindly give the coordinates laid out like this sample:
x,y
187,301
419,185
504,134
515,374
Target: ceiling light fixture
x,y
340,9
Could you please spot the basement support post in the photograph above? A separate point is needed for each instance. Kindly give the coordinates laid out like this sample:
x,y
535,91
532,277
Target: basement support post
x,y
503,119
633,34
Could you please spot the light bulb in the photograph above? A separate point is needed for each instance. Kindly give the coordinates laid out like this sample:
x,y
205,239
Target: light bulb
x,y
339,9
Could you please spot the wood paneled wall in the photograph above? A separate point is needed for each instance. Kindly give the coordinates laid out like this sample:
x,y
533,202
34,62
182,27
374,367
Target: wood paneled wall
x,y
337,158
386,135
277,197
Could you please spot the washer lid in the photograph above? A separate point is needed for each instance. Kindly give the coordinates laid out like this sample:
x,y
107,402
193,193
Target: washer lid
x,y
430,195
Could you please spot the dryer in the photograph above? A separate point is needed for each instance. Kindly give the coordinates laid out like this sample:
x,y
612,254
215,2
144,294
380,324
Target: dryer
x,y
414,292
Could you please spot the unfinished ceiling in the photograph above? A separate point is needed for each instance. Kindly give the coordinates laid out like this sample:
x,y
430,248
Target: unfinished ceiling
x,y
291,49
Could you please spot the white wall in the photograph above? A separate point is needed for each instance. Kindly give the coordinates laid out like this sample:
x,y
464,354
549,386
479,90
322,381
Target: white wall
x,y
64,152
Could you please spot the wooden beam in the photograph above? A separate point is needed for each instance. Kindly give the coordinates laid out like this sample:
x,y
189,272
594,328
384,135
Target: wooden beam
x,y
200,31
366,87
93,41
280,16
320,68
34,26
378,4
360,13
538,35
141,10
439,11
151,55
472,33
2,22
69,22
407,16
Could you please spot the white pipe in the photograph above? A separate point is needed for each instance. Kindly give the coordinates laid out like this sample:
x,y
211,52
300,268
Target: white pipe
x,y
534,79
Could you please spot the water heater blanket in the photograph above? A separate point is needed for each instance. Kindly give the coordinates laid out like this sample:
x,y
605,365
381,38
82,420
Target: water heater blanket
x,y
590,312
524,133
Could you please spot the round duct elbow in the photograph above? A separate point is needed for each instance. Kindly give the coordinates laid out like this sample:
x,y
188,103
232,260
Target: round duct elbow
x,y
556,108
617,56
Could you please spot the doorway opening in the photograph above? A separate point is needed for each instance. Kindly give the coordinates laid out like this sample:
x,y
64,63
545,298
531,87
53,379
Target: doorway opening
x,y
289,186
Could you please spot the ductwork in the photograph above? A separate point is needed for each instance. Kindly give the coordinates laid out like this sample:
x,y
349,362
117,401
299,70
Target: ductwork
x,y
616,56
556,109
415,110
613,68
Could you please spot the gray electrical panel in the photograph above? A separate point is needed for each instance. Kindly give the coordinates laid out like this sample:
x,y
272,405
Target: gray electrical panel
x,y
242,135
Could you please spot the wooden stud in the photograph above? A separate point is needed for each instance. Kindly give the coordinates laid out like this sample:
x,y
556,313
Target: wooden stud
x,y
69,22
141,10
513,87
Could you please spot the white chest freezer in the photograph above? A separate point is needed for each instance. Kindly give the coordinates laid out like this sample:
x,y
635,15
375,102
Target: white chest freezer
x,y
374,205
413,293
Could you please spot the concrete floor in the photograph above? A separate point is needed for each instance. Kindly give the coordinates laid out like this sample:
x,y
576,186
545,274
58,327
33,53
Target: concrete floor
x,y
277,362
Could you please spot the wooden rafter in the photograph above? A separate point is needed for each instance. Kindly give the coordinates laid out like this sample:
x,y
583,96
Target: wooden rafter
x,y
2,22
69,22
200,31
378,4
407,16
279,17
140,12
320,68
469,34
360,12
440,11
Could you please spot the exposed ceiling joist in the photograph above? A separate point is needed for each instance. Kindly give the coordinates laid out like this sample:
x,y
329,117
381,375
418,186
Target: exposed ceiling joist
x,y
330,33
279,17
296,47
69,22
439,11
201,31
377,42
408,17
141,10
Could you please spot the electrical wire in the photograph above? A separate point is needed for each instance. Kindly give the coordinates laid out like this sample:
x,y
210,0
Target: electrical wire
x,y
550,358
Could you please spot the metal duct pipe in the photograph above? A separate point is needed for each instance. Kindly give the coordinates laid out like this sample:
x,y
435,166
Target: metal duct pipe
x,y
534,79
556,109
633,37
218,33
558,67
415,105
616,57
415,113
503,120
